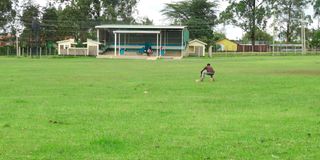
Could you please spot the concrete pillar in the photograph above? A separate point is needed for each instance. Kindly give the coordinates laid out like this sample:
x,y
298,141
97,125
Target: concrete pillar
x,y
210,51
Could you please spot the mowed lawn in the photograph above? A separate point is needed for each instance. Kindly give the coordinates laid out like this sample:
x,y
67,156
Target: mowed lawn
x,y
87,108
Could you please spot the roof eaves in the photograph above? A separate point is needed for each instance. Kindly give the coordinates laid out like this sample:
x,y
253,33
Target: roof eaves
x,y
197,40
138,27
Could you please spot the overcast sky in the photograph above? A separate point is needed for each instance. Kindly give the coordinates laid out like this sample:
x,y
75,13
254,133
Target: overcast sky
x,y
152,8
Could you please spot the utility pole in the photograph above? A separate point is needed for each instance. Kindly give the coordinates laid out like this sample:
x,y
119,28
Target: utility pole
x,y
303,34
274,32
274,35
318,22
17,45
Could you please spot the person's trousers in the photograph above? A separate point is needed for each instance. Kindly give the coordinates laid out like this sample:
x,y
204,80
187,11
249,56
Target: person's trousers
x,y
204,73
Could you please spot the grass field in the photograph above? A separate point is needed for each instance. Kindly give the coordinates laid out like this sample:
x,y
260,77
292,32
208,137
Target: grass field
x,y
87,108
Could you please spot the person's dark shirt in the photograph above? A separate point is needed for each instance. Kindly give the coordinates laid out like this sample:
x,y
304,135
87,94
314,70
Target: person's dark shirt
x,y
208,69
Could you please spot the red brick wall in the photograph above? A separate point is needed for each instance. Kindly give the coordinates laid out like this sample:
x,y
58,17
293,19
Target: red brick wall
x,y
257,48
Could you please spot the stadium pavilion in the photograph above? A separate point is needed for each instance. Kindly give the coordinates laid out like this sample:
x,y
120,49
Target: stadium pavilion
x,y
135,40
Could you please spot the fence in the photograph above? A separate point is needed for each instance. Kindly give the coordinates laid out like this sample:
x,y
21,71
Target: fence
x,y
262,48
8,51
27,51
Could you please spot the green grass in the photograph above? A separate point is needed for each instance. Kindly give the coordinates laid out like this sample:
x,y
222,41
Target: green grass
x,y
87,108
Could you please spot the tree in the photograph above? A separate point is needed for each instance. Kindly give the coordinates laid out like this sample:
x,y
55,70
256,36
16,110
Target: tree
x,y
146,21
260,36
6,13
49,24
198,15
112,11
30,12
315,40
290,14
249,15
69,23
125,9
218,36
29,16
316,7
79,17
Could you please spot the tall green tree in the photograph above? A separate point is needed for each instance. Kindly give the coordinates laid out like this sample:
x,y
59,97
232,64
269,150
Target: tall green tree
x,y
125,9
250,15
260,36
198,15
31,13
49,24
6,13
315,39
69,23
289,14
79,17
112,11
316,8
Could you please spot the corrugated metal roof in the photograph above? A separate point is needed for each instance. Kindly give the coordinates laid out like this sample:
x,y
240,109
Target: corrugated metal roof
x,y
286,45
140,32
138,27
72,41
90,41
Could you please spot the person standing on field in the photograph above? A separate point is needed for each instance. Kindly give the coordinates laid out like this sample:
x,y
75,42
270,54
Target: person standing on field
x,y
207,70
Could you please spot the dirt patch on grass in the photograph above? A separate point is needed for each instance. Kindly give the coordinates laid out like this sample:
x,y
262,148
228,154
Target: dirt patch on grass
x,y
300,72
56,122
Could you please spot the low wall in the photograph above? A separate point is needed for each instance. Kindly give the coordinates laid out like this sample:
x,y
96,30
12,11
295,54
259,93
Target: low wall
x,y
63,51
257,48
93,50
78,51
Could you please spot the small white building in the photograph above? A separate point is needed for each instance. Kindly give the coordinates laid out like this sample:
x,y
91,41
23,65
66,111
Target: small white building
x,y
65,45
68,47
197,48
92,47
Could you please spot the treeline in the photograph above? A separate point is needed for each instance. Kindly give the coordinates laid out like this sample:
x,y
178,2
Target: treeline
x,y
61,19
285,17
77,18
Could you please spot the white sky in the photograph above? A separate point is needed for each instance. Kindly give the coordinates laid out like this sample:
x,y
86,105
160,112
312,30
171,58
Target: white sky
x,y
152,8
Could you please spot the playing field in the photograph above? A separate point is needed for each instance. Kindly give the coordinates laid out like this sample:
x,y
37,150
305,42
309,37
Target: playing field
x,y
87,108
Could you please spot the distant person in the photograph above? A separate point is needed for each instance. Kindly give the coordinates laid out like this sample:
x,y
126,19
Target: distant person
x,y
149,51
207,70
